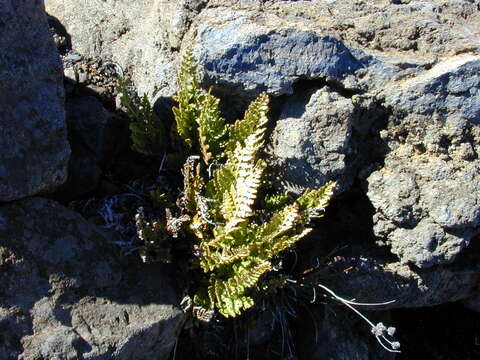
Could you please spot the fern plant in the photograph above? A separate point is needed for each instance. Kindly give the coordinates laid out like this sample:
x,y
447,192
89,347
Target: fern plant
x,y
238,232
235,241
147,131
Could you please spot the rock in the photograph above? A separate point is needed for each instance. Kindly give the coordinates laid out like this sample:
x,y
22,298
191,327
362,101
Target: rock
x,y
33,142
66,294
110,30
244,57
256,46
373,279
336,333
380,95
426,194
361,269
87,131
311,142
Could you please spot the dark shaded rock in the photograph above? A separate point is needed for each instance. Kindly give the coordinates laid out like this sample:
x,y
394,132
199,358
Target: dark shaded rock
x,y
378,280
66,294
87,132
336,333
33,141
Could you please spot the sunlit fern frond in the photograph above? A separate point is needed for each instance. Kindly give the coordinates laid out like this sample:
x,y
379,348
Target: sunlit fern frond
x,y
255,119
211,128
229,294
315,201
188,96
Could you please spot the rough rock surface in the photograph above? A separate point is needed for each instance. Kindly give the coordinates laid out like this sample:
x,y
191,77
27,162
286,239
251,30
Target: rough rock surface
x,y
110,30
311,142
427,193
380,95
33,141
87,131
337,333
65,294
372,279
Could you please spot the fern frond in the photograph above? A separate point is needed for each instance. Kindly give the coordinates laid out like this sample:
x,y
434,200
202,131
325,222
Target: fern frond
x,y
276,202
234,185
255,119
244,192
147,131
187,97
280,223
193,184
248,173
215,258
315,201
211,128
229,295
285,242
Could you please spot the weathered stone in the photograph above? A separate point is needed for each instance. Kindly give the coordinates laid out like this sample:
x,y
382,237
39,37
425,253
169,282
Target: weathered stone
x,y
362,270
427,194
242,56
336,333
311,142
110,30
33,141
367,90
87,132
372,279
66,294
269,45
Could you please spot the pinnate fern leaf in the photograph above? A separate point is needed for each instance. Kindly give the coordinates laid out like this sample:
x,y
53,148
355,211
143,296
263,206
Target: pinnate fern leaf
x,y
147,131
315,201
229,294
255,120
188,96
211,128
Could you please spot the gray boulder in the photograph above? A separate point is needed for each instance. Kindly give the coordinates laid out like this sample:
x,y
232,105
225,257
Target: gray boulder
x,y
33,141
427,193
255,45
311,141
67,295
244,57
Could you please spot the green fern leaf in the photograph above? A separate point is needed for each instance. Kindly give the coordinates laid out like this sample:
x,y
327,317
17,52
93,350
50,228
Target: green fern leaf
x,y
229,295
315,201
255,119
211,128
276,202
147,131
187,97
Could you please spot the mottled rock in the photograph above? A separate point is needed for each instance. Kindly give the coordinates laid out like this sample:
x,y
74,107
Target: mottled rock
x,y
66,294
311,142
110,30
416,61
269,45
243,57
374,279
33,142
427,193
